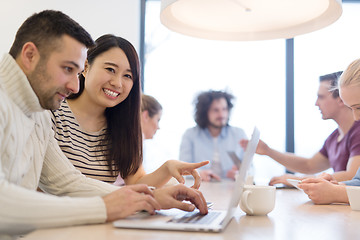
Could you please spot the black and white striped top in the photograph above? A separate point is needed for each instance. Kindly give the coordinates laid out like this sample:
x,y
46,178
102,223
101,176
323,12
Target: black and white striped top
x,y
82,148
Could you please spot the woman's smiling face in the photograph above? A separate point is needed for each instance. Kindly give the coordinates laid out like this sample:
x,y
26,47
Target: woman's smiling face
x,y
108,79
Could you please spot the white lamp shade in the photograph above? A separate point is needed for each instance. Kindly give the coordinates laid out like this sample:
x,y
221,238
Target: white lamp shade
x,y
246,20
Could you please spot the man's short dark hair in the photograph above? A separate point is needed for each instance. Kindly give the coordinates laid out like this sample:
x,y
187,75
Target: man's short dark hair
x,y
203,102
44,29
333,79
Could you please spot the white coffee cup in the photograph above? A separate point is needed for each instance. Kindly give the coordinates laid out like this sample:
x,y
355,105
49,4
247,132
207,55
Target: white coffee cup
x,y
353,193
258,200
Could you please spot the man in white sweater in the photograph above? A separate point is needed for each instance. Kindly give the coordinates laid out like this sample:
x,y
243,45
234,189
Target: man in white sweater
x,y
41,70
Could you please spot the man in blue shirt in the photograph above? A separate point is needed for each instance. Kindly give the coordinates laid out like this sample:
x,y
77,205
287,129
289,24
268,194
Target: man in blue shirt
x,y
213,137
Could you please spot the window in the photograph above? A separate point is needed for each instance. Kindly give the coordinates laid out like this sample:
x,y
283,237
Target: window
x,y
178,67
325,51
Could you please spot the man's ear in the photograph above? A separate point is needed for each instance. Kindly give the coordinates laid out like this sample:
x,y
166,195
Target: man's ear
x,y
29,57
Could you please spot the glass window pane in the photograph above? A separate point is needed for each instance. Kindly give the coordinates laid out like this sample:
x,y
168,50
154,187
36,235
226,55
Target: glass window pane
x,y
177,67
325,51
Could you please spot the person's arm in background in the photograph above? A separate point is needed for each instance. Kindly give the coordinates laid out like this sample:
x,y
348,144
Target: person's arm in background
x,y
315,164
312,165
351,168
294,163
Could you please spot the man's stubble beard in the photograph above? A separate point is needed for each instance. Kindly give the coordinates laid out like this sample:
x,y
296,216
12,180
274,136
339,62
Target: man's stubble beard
x,y
39,79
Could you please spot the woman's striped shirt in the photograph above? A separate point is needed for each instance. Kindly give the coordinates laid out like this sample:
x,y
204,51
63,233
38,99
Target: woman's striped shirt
x,y
82,148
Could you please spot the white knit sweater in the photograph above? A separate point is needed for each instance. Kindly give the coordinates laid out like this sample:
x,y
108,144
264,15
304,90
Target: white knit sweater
x,y
29,154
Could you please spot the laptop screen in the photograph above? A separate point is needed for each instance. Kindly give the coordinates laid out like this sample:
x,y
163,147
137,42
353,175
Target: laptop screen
x,y
241,177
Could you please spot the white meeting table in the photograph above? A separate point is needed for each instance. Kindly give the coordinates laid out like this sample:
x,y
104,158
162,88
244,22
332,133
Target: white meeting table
x,y
294,217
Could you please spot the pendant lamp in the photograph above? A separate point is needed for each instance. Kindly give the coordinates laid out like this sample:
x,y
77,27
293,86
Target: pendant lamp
x,y
248,20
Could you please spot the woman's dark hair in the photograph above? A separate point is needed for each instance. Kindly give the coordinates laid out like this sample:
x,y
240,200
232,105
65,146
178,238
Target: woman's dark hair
x,y
203,102
123,137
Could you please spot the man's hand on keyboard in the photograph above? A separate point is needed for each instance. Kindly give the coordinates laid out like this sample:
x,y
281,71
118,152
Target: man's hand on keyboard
x,y
174,196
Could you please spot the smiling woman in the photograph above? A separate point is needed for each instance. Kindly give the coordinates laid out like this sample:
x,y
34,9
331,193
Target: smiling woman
x,y
98,128
90,125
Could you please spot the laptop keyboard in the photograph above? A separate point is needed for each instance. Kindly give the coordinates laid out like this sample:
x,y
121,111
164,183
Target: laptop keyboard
x,y
196,218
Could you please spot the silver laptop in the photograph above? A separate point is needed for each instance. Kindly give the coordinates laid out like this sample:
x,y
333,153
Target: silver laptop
x,y
214,221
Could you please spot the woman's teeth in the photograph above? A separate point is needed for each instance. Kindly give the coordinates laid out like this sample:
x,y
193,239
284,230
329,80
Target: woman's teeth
x,y
111,93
